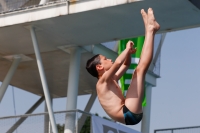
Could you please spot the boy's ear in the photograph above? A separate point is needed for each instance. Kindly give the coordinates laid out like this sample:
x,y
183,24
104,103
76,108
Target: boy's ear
x,y
99,67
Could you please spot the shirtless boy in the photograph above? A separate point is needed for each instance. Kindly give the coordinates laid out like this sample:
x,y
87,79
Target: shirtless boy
x,y
125,110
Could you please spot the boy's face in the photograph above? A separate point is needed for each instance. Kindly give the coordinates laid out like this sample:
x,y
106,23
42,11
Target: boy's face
x,y
105,63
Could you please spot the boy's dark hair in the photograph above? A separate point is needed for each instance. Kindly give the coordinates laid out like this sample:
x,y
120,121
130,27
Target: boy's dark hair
x,y
91,65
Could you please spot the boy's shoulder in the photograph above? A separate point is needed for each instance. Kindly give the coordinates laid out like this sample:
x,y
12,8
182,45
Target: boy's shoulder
x,y
102,79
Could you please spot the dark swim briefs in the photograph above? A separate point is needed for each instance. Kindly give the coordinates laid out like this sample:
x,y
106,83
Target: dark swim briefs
x,y
131,118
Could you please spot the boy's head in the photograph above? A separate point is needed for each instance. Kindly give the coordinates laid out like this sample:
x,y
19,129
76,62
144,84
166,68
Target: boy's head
x,y
91,65
98,64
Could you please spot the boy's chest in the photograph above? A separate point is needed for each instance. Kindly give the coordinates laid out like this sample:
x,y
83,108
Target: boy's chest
x,y
109,87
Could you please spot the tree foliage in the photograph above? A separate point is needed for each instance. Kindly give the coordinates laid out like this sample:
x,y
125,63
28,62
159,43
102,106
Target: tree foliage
x,y
60,128
85,128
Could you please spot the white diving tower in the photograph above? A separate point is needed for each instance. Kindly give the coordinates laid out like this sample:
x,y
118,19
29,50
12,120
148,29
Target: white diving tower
x,y
44,44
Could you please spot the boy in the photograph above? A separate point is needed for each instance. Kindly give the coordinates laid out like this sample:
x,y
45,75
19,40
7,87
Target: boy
x,y
125,110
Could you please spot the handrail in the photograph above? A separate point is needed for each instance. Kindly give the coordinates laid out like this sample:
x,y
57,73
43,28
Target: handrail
x,y
45,113
33,6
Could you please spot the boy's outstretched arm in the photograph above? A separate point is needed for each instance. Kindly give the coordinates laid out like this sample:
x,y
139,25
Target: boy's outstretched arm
x,y
123,68
125,65
121,59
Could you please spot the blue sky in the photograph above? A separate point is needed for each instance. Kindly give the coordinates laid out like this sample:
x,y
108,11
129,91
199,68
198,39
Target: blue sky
x,y
175,99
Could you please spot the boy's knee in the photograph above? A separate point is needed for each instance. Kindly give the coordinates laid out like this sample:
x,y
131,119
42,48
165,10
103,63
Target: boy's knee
x,y
140,70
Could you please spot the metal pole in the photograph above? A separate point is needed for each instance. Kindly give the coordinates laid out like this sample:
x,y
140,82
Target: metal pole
x,y
43,79
3,5
47,124
14,103
72,92
17,124
145,127
46,119
9,76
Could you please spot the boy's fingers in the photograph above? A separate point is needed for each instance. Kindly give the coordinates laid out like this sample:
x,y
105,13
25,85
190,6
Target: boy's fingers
x,y
132,43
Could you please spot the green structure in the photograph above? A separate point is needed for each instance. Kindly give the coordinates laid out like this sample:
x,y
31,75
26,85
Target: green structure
x,y
126,78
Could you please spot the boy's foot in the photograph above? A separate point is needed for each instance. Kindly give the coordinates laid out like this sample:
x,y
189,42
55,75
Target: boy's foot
x,y
152,25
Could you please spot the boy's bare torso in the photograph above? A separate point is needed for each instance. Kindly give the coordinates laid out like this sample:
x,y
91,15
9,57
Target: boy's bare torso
x,y
111,98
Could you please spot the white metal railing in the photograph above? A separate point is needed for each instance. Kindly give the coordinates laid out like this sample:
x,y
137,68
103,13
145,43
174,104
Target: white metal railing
x,y
39,123
15,5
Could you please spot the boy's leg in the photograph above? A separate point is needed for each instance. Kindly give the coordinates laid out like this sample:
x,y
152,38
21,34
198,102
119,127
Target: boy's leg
x,y
135,92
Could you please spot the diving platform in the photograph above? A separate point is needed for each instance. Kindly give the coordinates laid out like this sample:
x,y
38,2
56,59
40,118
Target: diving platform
x,y
65,24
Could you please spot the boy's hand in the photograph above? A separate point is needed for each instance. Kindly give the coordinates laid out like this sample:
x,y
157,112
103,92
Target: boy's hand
x,y
129,46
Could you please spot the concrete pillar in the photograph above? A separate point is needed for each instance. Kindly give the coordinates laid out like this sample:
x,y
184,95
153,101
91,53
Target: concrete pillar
x,y
72,92
145,126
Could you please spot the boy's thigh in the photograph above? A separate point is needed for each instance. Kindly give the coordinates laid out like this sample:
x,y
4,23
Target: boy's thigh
x,y
136,85
135,93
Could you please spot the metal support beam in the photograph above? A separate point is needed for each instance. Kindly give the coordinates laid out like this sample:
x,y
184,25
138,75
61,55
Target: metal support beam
x,y
145,127
17,124
3,5
43,79
87,109
11,71
72,92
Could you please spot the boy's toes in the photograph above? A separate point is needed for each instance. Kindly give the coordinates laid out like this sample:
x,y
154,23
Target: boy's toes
x,y
143,13
150,10
144,16
142,10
